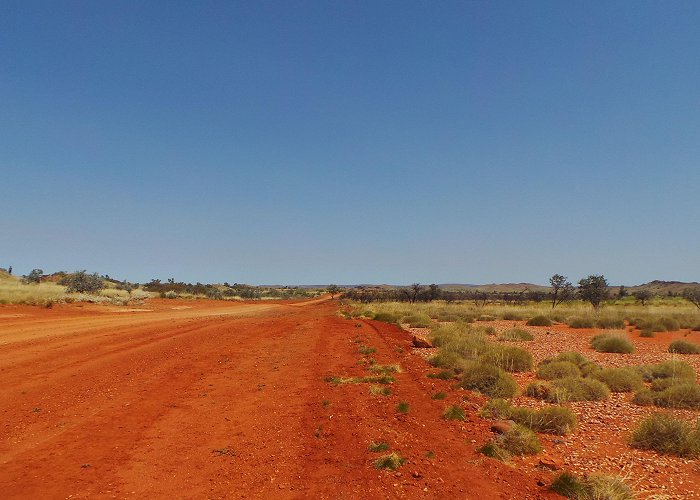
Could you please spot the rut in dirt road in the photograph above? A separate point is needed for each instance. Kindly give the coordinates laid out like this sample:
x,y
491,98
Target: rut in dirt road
x,y
227,401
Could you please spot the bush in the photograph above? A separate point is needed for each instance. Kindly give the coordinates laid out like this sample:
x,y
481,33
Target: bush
x,y
581,322
549,420
664,433
539,390
447,359
391,461
589,368
679,396
386,317
683,347
594,487
417,320
489,380
453,413
82,282
508,357
672,369
645,397
647,333
539,321
557,369
619,379
516,335
578,389
612,343
518,440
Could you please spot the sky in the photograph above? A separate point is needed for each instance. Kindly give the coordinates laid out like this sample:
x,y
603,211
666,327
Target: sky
x,y
314,142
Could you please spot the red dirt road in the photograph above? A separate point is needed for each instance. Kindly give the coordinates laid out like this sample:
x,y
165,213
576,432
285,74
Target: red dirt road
x,y
208,399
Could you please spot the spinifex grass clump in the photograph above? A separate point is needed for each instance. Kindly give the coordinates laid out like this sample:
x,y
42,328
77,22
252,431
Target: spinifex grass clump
x,y
612,343
578,389
518,440
557,369
489,380
539,320
549,420
683,347
673,385
403,407
376,447
516,335
623,379
593,487
664,433
453,413
392,461
417,320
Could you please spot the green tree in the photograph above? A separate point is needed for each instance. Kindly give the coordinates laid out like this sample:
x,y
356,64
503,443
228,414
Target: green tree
x,y
563,289
643,296
693,295
593,289
82,282
34,276
333,290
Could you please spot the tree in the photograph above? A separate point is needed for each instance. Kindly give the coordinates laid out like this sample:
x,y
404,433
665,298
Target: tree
x,y
693,295
643,296
82,282
333,289
434,292
412,292
593,289
126,286
34,276
562,289
622,292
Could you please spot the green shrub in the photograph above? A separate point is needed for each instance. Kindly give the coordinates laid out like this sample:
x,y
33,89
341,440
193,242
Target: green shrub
x,y
664,433
516,335
581,322
668,324
589,368
539,321
549,420
375,447
679,396
647,333
453,413
508,357
645,397
612,343
557,369
386,317
538,390
82,282
609,323
391,461
578,389
518,440
447,359
489,380
571,356
661,384
417,320
672,368
620,379
568,485
683,347
439,395
593,487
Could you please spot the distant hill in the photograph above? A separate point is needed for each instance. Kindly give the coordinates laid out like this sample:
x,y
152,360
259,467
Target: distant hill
x,y
659,287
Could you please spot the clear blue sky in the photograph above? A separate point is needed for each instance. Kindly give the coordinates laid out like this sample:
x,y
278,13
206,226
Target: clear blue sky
x,y
348,141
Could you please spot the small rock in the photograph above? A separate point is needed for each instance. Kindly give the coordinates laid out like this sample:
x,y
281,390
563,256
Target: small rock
x,y
549,463
421,343
417,474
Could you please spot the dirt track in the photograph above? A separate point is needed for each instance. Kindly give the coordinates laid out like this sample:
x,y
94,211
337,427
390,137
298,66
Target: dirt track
x,y
218,400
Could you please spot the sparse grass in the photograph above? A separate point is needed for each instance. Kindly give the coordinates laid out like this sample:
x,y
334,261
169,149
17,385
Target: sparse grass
x,y
403,407
620,379
516,335
417,320
374,379
379,390
391,461
439,395
683,347
377,447
612,343
385,369
366,350
664,433
386,317
489,380
557,369
453,413
539,320
442,375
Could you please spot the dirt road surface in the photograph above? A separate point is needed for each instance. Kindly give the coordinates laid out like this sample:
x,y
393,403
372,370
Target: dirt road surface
x,y
207,399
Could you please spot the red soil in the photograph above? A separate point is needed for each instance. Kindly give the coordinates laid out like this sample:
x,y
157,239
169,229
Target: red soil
x,y
207,399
